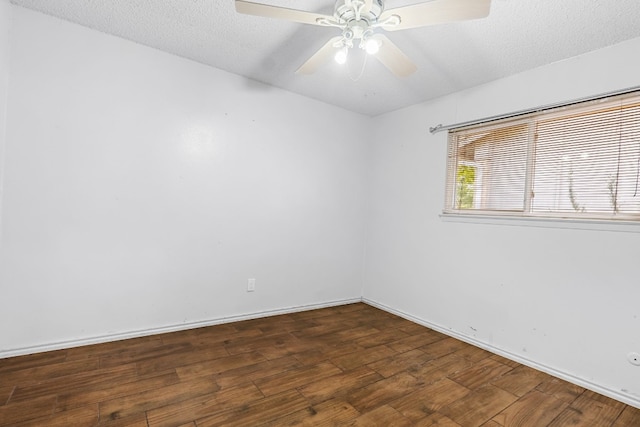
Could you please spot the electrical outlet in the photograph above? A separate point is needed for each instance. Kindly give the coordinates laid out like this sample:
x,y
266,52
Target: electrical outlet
x,y
634,358
251,285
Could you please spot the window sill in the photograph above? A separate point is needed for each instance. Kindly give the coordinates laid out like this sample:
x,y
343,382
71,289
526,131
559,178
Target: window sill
x,y
530,221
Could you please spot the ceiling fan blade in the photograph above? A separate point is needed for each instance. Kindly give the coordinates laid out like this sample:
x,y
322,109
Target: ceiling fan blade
x,y
320,57
436,12
393,58
259,9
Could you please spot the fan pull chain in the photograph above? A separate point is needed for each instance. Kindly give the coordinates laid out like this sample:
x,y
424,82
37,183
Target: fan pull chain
x,y
364,64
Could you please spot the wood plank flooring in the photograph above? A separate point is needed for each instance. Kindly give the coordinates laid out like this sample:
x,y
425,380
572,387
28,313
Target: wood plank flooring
x,y
351,365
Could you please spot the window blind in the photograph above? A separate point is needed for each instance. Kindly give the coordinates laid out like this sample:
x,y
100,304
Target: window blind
x,y
578,161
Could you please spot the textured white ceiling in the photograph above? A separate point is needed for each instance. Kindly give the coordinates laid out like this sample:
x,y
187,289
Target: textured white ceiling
x,y
518,35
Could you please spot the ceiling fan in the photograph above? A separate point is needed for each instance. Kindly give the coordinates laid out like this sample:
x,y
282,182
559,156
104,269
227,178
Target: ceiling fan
x,y
359,21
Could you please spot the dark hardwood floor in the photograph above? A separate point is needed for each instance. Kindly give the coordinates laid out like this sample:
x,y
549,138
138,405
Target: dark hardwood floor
x,y
351,365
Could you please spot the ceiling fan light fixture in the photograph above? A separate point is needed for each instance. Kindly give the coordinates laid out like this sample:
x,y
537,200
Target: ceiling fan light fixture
x,y
372,46
341,55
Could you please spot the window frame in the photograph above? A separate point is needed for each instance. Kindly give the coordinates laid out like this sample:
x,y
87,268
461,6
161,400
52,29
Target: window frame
x,y
598,220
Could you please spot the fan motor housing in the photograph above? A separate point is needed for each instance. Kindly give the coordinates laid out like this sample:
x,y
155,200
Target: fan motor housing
x,y
345,11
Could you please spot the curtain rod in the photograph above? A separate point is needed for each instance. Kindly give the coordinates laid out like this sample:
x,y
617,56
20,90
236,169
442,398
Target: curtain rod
x,y
440,127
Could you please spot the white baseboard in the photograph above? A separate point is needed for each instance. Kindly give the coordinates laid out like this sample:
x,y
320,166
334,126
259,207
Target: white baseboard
x,y
629,399
60,345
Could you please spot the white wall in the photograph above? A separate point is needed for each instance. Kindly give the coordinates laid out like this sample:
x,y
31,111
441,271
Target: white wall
x,y
5,27
566,300
142,190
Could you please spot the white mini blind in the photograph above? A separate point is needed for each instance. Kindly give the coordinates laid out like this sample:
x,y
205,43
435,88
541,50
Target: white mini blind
x,y
579,161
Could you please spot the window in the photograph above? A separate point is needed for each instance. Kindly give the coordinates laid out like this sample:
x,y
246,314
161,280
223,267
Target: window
x,y
578,161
